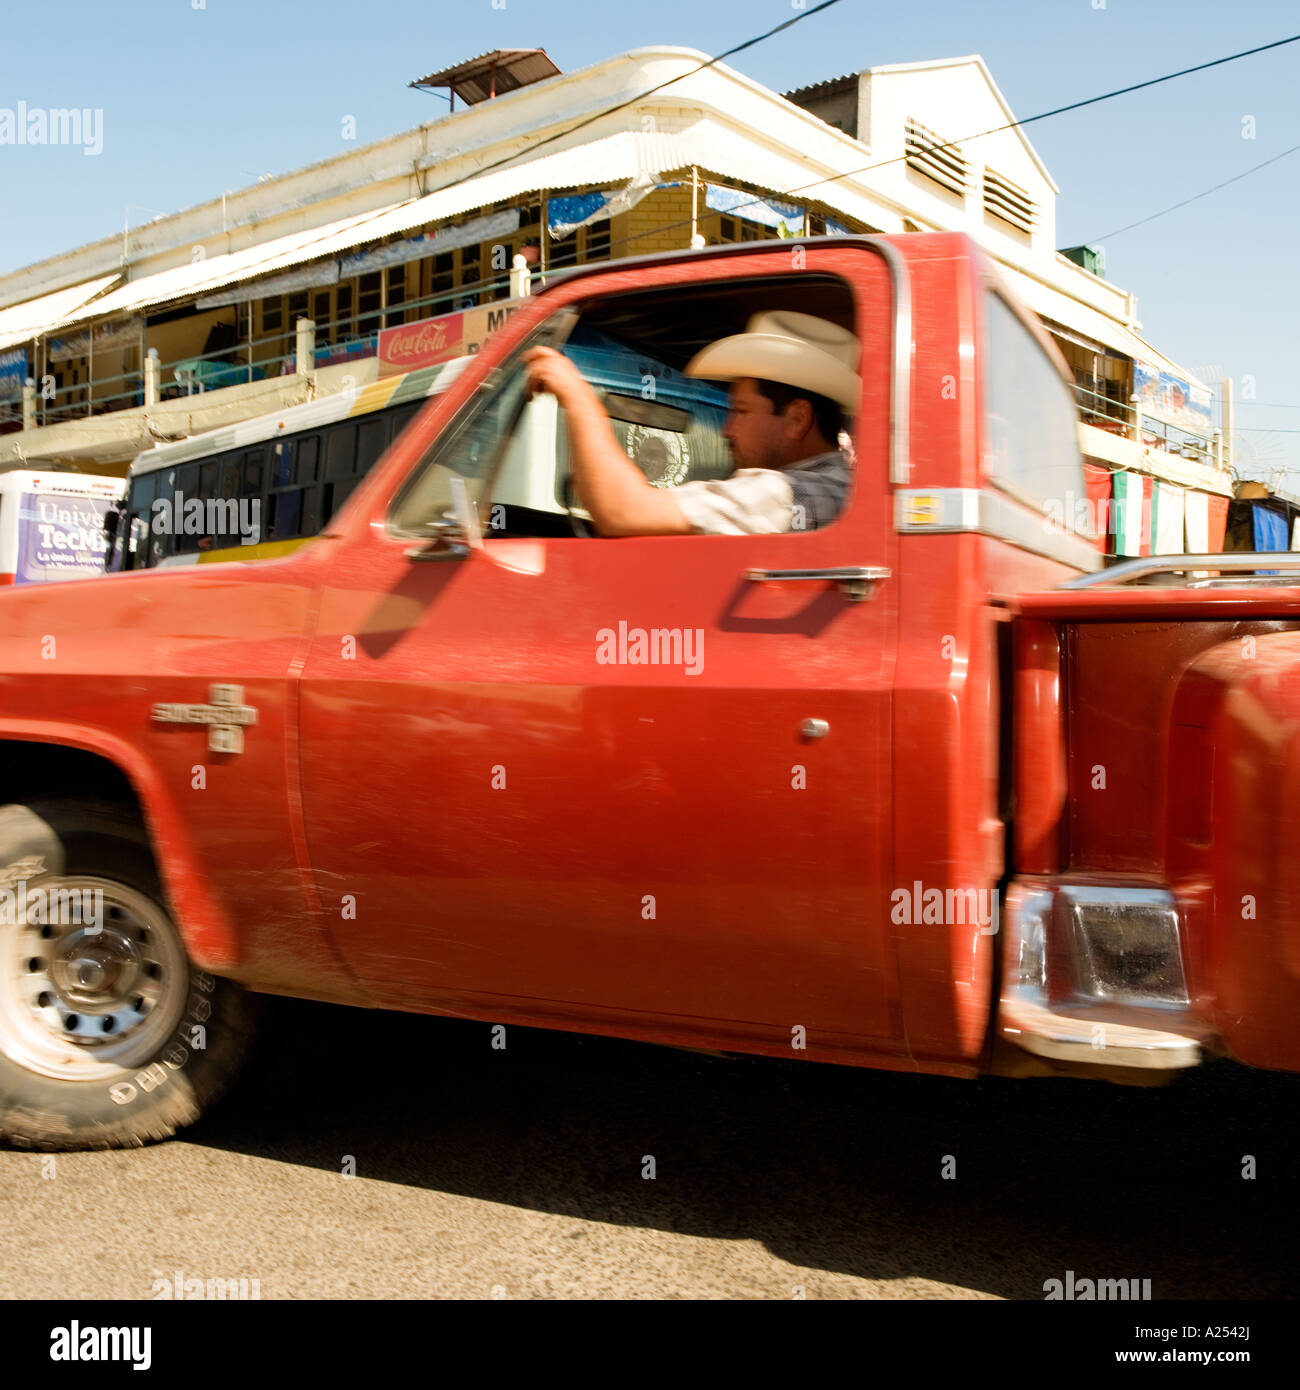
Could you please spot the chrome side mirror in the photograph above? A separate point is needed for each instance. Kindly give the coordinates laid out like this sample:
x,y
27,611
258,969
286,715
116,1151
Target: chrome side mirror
x,y
457,532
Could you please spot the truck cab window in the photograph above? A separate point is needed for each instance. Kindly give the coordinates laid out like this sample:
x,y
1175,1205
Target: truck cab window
x,y
1032,439
636,354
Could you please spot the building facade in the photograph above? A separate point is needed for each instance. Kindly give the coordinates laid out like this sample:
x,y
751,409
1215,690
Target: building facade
x,y
272,295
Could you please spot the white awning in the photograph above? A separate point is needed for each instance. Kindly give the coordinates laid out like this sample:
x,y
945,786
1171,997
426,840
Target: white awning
x,y
20,323
183,281
611,159
1090,323
616,157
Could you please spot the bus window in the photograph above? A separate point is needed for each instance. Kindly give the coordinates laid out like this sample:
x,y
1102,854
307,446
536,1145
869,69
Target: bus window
x,y
187,486
229,477
403,416
335,496
282,463
308,455
251,480
286,515
371,439
310,523
341,451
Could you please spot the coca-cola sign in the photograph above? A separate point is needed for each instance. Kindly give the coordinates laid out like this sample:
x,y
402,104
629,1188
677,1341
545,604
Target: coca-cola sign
x,y
421,344
435,340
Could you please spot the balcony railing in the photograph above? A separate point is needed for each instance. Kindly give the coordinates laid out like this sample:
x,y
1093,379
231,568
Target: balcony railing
x,y
1121,418
344,338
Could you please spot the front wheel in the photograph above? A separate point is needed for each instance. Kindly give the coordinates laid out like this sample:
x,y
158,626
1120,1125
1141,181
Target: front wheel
x,y
109,1037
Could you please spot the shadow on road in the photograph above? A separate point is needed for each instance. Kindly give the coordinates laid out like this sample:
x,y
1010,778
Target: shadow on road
x,y
831,1168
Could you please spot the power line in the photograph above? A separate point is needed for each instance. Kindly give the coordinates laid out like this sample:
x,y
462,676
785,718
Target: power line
x,y
1195,197
995,130
641,96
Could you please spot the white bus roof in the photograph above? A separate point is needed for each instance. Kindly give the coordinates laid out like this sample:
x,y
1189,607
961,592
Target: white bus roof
x,y
67,484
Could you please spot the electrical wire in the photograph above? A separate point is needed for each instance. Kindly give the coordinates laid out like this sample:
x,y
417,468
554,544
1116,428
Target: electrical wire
x,y
641,96
1164,212
996,130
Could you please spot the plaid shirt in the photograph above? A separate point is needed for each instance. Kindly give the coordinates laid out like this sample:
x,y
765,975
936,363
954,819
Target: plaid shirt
x,y
767,501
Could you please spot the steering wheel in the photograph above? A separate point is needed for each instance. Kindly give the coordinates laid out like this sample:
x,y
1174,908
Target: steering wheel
x,y
579,525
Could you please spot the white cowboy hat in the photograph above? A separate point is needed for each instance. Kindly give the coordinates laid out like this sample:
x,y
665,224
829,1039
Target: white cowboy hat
x,y
794,349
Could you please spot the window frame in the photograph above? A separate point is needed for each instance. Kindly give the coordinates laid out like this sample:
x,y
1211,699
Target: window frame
x,y
821,263
1032,331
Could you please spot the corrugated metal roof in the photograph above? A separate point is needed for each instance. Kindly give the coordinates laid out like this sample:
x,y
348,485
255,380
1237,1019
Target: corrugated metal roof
x,y
21,322
185,280
613,159
818,86
496,73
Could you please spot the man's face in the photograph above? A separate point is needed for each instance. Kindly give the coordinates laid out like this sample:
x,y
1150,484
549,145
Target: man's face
x,y
759,438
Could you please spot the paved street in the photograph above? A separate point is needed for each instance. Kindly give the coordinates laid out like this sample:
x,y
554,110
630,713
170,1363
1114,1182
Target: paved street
x,y
518,1174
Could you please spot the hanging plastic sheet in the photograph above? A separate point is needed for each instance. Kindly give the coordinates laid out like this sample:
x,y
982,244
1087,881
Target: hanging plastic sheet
x,y
566,214
1271,530
1168,514
1097,481
1218,509
769,212
1196,518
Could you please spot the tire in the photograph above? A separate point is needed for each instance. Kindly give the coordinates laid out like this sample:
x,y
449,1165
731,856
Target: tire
x,y
109,1037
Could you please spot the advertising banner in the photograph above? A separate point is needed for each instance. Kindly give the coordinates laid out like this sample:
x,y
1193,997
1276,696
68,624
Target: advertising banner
x,y
13,372
1173,401
59,537
436,340
106,337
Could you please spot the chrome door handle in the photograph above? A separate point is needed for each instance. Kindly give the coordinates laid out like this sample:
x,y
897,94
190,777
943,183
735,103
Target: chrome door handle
x,y
857,581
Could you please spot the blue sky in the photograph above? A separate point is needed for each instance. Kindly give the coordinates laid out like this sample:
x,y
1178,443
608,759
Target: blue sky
x,y
201,96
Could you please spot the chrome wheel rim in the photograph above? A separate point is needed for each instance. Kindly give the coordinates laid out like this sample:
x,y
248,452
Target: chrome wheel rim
x,y
93,978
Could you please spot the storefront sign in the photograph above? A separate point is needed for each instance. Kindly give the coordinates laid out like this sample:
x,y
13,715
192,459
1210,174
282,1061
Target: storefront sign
x,y
1173,401
439,339
106,337
13,372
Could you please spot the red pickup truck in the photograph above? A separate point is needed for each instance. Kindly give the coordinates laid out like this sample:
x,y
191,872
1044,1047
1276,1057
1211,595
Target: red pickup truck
x,y
924,789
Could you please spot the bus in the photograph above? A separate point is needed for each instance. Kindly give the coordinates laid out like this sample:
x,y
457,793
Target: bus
x,y
52,525
264,487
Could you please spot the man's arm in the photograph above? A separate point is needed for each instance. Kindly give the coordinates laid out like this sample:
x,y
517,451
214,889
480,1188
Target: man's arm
x,y
611,486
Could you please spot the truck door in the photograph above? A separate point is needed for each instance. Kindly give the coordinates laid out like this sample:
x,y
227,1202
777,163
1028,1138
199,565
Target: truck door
x,y
577,778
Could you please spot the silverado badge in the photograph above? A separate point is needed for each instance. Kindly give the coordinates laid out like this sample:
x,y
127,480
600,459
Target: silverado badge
x,y
225,717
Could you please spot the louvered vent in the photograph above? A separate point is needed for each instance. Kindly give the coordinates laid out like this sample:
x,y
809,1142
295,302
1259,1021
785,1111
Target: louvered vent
x,y
928,154
1007,200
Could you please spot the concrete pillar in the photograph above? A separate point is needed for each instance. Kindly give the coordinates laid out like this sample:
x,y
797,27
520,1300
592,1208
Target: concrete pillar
x,y
520,282
1225,396
29,404
152,368
306,348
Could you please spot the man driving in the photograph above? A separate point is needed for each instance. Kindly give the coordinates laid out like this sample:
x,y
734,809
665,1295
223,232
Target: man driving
x,y
793,378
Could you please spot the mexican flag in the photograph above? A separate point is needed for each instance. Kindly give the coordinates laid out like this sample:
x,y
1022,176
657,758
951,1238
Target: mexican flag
x,y
1133,506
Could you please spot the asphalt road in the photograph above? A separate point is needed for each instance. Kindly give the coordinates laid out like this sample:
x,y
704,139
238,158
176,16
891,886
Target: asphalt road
x,y
519,1174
